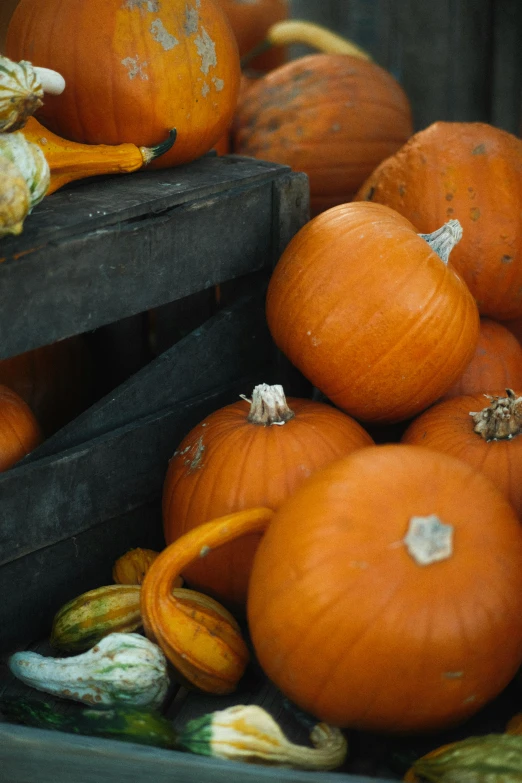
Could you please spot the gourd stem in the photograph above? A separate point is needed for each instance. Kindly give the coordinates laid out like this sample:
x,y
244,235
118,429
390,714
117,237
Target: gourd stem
x,y
52,82
269,406
150,153
297,31
501,420
444,239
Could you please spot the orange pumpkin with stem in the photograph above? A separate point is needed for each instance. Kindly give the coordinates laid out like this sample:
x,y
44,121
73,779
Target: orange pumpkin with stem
x,y
19,431
136,70
479,429
382,564
496,363
369,312
250,453
473,172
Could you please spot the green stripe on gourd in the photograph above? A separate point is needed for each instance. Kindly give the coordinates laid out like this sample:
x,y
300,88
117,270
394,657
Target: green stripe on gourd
x,y
31,162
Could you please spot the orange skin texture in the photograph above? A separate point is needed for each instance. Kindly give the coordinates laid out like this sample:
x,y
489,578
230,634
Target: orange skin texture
x,y
133,73
333,116
369,313
473,172
353,630
496,364
447,427
19,430
250,20
227,464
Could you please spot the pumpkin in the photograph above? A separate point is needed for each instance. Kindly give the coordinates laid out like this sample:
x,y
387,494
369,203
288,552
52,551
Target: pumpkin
x,y
130,568
368,311
364,604
479,429
69,161
135,70
496,364
250,20
333,116
55,380
473,172
246,454
19,431
15,198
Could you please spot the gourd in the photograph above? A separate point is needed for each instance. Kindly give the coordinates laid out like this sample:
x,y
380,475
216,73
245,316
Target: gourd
x,y
22,88
370,556
19,431
371,312
84,621
496,758
30,161
496,363
250,21
157,66
130,568
335,116
250,453
15,198
69,161
470,171
123,668
480,429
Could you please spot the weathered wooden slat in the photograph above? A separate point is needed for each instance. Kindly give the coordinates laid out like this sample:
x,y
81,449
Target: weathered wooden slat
x,y
103,276
506,77
230,345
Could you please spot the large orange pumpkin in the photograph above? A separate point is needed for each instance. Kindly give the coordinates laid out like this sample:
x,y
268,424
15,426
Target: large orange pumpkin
x,y
243,455
19,430
134,69
333,116
386,593
490,440
473,172
370,314
250,21
496,364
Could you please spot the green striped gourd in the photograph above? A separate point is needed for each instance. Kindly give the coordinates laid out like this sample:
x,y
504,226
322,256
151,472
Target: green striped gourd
x,y
15,198
22,88
82,622
31,162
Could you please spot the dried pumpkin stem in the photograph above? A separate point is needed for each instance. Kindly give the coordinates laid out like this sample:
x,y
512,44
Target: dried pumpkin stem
x,y
500,420
444,239
268,406
150,153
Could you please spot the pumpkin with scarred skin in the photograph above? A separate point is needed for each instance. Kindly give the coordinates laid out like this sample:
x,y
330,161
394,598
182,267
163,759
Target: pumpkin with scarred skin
x,y
19,431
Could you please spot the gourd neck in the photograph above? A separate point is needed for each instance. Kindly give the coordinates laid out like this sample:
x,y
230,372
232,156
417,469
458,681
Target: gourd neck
x,y
501,419
444,239
268,406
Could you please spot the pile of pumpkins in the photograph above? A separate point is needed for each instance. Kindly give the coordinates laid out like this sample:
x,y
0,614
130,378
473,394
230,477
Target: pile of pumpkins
x,y
382,584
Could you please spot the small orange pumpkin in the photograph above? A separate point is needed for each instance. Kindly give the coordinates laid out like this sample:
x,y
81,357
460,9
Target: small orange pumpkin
x,y
130,568
496,363
479,429
134,70
470,171
248,454
19,430
366,309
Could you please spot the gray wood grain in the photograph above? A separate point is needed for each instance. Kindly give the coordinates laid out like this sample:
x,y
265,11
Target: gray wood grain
x,y
506,77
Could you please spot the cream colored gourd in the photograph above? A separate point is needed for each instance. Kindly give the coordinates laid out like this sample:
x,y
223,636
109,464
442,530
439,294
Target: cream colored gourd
x,y
15,198
22,88
123,668
30,160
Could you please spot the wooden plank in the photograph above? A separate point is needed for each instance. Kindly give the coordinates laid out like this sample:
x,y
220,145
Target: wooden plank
x,y
109,274
29,755
506,78
230,345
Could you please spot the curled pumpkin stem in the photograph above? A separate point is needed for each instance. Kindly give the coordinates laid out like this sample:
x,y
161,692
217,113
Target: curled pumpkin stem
x,y
500,420
444,239
199,637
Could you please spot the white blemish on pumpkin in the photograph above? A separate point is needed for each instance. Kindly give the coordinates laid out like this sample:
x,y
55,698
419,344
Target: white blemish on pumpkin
x,y
162,36
191,20
203,552
135,68
206,49
336,127
205,90
194,462
453,675
358,564
152,6
218,83
428,540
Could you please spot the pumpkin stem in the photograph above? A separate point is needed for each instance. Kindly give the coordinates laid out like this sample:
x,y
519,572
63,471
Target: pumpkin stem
x,y
500,420
150,153
429,540
268,406
444,239
298,31
203,644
